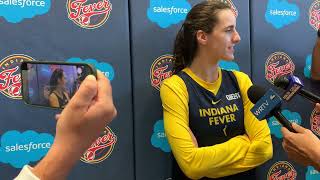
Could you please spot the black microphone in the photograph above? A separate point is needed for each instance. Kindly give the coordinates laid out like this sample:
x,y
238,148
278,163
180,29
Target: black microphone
x,y
267,104
287,84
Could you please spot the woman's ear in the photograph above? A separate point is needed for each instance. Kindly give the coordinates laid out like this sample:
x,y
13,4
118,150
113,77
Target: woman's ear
x,y
201,37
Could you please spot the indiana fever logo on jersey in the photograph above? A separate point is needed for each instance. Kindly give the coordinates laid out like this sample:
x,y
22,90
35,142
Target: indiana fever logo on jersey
x,y
315,122
10,78
278,64
101,148
160,70
314,18
233,7
224,114
219,115
89,14
282,170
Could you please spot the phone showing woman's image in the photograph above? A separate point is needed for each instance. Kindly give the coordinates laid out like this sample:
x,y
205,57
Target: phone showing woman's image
x,y
52,84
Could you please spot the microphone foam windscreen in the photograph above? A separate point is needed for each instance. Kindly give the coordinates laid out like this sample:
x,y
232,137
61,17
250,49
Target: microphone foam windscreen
x,y
255,93
281,82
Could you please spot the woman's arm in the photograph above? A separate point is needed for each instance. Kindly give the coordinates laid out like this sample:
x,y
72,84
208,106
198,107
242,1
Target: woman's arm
x,y
53,100
260,149
194,162
258,132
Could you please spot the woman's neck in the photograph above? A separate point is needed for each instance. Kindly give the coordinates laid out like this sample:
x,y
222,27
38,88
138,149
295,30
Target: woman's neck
x,y
205,68
59,90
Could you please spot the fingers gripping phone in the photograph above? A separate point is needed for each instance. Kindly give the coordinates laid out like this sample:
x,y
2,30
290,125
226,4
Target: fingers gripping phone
x,y
52,84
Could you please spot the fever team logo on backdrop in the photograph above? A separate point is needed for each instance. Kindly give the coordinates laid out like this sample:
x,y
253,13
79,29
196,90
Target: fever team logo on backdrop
x,y
160,70
101,148
282,170
233,7
89,14
14,11
315,122
19,149
314,18
10,78
278,64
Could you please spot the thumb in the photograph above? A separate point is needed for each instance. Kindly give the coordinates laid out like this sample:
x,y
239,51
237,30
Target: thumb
x,y
83,97
298,128
284,131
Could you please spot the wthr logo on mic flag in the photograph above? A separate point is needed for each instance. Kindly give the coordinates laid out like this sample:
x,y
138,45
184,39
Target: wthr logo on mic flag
x,y
266,104
294,86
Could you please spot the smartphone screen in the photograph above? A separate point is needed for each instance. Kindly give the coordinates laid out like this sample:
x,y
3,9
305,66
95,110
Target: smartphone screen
x,y
51,84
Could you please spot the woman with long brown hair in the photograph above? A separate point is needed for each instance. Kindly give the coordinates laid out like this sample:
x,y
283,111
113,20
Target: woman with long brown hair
x,y
207,117
58,96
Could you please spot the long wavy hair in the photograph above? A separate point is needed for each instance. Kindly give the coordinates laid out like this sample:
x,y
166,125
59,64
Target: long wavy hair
x,y
202,16
56,75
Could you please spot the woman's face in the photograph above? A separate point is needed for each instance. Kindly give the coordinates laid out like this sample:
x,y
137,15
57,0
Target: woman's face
x,y
224,36
62,81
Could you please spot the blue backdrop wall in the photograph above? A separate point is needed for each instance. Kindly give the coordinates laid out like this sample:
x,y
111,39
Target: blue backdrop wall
x,y
131,42
65,31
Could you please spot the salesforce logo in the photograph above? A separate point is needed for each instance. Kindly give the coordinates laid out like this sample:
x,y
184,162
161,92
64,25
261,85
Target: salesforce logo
x,y
228,65
275,126
281,13
159,138
307,67
167,12
312,174
14,11
19,149
104,67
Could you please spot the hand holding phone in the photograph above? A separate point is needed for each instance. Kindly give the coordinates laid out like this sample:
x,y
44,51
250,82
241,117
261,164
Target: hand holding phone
x,y
52,84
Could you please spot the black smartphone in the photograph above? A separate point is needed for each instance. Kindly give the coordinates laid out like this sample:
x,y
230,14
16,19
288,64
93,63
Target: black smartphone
x,y
52,84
